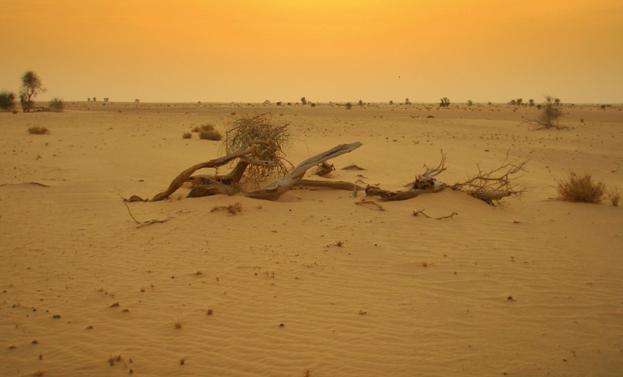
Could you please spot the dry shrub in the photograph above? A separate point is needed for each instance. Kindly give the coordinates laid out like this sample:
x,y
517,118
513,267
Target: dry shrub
x,y
268,159
210,135
205,127
187,135
581,189
550,114
37,130
57,105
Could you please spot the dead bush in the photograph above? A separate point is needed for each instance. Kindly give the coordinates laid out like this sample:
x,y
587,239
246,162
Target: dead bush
x,y
187,135
615,197
210,135
550,114
37,130
268,158
581,189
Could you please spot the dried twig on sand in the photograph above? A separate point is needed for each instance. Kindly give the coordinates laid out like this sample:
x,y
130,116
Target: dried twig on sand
x,y
368,203
419,212
352,167
140,224
493,185
232,208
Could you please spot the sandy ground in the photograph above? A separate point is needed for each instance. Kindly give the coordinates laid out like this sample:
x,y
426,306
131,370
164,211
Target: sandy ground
x,y
403,296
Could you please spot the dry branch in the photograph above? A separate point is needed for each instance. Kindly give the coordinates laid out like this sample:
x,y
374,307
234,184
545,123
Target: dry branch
x,y
140,224
418,212
185,175
492,185
274,190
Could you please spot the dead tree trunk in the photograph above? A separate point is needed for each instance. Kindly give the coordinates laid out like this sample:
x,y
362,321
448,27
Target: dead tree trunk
x,y
274,190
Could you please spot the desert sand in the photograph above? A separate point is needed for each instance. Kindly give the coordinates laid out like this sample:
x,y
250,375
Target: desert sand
x,y
311,284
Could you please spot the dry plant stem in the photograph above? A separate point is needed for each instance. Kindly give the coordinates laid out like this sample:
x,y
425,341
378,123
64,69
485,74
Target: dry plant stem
x,y
421,212
364,202
185,175
140,224
274,190
388,196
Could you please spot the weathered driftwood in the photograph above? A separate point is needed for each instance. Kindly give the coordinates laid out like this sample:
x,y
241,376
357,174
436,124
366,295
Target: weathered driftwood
x,y
274,190
336,185
186,174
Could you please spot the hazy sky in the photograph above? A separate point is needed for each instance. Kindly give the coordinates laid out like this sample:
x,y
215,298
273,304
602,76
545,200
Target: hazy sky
x,y
245,50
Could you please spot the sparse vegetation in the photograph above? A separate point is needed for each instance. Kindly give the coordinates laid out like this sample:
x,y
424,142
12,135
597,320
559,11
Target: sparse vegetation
x,y
56,105
581,189
444,102
213,135
550,114
470,102
348,105
38,130
268,157
187,135
31,87
7,101
303,101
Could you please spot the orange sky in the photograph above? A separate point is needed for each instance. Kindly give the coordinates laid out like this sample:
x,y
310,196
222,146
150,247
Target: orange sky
x,y
251,50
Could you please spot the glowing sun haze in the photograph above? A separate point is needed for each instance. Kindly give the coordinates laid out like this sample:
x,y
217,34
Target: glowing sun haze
x,y
192,50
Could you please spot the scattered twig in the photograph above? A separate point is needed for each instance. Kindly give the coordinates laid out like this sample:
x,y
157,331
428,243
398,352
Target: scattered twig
x,y
419,212
140,224
232,208
372,203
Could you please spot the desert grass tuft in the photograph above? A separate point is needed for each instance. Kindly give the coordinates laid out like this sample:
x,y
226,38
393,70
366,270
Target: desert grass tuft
x,y
581,189
550,114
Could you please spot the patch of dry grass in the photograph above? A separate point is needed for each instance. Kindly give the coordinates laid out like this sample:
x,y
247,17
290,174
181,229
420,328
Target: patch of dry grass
x,y
581,189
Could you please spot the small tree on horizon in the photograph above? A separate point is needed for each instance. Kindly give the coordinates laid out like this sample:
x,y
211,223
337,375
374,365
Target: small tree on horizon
x,y
444,102
31,87
303,101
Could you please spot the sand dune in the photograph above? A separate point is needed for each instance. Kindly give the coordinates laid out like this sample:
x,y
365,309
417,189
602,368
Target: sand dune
x,y
310,285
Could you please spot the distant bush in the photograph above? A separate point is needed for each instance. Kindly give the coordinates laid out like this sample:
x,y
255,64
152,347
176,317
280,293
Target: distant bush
x,y
444,102
303,101
57,105
550,114
7,101
187,135
360,103
530,102
210,135
407,101
581,189
205,127
37,130
470,102
348,105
